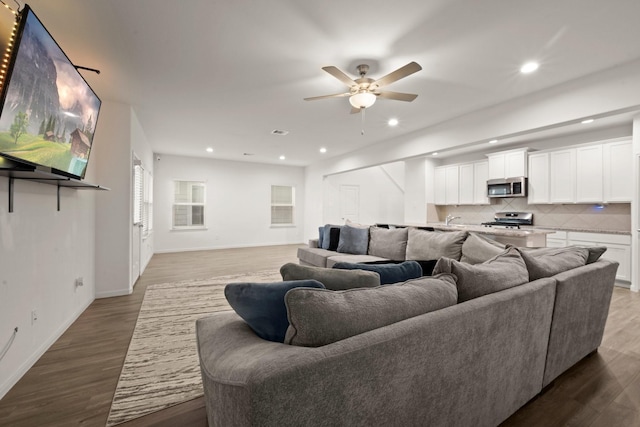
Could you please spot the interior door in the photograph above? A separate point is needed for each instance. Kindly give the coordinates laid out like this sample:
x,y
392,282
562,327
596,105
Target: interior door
x,y
350,202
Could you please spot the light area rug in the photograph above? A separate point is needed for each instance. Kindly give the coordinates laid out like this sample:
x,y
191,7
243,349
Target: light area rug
x,y
161,368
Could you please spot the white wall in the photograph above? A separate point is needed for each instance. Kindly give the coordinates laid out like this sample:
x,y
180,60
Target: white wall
x,y
42,252
415,200
381,197
113,208
237,213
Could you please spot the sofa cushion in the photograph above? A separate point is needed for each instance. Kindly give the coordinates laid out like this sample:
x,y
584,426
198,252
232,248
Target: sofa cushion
x,y
389,273
333,260
549,262
320,236
314,256
388,243
335,280
595,252
353,240
262,306
500,272
477,249
318,317
426,245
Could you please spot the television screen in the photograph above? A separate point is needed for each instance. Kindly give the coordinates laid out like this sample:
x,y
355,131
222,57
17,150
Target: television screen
x,y
49,112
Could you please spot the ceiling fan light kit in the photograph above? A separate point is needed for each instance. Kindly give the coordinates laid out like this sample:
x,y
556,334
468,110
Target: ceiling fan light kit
x,y
364,91
362,100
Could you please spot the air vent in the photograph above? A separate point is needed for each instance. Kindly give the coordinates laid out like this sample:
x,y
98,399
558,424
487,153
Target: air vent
x,y
279,132
247,154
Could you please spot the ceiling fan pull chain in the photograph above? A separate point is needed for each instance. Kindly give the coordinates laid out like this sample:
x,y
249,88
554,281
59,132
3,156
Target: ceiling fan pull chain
x,y
362,127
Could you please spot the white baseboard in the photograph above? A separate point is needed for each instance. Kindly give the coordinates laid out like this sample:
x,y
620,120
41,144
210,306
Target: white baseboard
x,y
115,293
211,248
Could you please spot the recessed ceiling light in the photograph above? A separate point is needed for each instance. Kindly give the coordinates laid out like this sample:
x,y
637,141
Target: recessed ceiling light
x,y
529,67
323,150
282,157
209,150
493,141
393,122
434,154
584,122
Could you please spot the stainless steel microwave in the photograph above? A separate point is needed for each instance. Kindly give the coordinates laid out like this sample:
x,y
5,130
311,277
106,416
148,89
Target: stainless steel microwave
x,y
507,187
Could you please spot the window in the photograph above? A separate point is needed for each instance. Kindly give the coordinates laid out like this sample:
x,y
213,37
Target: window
x,y
188,204
142,198
282,205
147,205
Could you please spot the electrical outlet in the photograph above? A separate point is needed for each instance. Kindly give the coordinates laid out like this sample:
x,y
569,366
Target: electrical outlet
x,y
34,316
79,282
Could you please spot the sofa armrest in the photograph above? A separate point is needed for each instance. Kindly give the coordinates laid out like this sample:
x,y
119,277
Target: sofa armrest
x,y
313,243
583,296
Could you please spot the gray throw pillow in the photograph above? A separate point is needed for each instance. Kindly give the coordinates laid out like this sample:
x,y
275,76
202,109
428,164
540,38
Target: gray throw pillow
x,y
326,235
500,272
320,318
335,280
389,244
595,252
353,240
478,249
424,245
550,262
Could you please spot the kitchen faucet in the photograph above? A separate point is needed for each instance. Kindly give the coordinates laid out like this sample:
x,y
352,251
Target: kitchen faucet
x,y
450,218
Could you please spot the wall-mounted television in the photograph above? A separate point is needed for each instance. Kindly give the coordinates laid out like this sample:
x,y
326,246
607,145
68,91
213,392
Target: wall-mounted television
x,y
48,112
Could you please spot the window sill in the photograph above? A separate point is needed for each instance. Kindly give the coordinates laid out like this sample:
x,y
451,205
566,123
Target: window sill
x,y
283,226
188,229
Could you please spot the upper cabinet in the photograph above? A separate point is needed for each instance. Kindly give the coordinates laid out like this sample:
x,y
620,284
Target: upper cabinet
x,y
508,164
594,173
617,171
464,184
539,187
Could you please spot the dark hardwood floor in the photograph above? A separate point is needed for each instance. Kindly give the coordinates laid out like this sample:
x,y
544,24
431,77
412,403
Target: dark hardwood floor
x,y
73,382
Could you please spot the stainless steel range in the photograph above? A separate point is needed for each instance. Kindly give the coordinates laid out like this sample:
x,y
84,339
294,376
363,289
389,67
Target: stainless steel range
x,y
510,220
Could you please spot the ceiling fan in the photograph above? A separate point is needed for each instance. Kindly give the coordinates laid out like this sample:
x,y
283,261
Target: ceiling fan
x,y
364,91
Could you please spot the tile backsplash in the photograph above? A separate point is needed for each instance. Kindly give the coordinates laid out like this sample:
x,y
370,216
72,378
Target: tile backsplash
x,y
613,217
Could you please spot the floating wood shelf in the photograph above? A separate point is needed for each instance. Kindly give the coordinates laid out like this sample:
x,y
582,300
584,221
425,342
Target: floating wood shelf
x,y
43,175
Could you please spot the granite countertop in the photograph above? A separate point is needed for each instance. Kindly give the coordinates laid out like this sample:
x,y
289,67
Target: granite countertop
x,y
581,230
481,229
526,230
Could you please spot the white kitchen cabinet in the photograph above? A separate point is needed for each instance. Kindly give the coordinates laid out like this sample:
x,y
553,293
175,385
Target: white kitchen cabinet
x,y
446,182
557,239
539,179
618,249
440,188
589,174
508,164
466,184
451,185
480,177
617,171
562,176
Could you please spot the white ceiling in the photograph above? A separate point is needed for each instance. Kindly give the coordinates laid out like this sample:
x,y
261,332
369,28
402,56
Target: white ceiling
x,y
225,73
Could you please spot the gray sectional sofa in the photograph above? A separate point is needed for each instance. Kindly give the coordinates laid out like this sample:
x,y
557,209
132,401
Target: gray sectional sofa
x,y
358,244
470,362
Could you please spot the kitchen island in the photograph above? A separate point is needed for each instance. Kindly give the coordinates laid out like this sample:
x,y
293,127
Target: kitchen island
x,y
523,237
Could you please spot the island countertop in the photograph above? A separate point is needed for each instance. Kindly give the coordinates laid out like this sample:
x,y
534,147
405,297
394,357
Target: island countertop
x,y
481,229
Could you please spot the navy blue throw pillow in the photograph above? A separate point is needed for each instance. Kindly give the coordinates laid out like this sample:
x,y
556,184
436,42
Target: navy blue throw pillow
x,y
262,306
334,238
389,273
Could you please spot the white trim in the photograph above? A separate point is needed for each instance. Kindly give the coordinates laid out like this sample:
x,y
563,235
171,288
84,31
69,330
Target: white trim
x,y
210,248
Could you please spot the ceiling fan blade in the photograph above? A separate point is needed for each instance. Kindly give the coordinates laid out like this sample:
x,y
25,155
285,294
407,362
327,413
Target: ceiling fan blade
x,y
398,96
400,73
335,72
335,95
